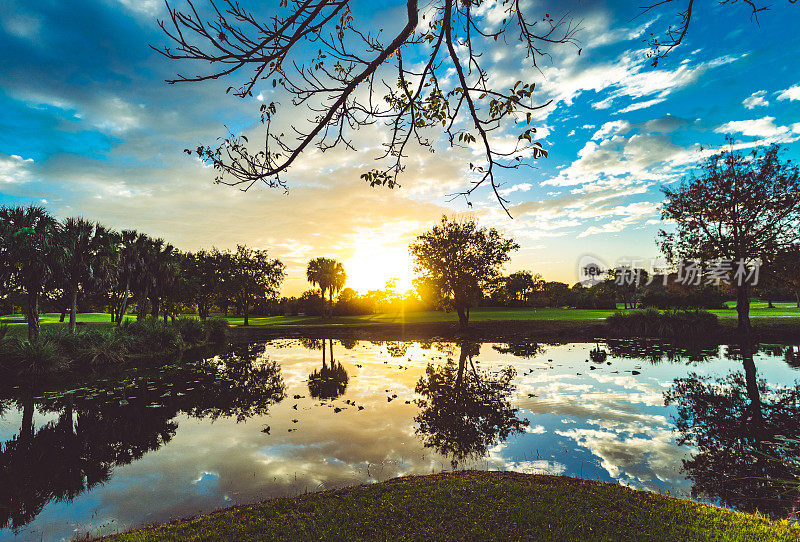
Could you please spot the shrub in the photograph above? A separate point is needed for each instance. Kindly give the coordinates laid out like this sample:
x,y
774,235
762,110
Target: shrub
x,y
216,329
192,330
149,335
31,359
676,324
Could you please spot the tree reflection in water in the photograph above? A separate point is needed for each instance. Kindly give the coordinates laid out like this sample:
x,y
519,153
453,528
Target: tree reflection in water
x,y
100,428
464,410
739,426
331,381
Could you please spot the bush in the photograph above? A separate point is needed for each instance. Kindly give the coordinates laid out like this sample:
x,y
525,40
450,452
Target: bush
x,y
677,324
31,359
216,329
192,330
149,335
88,349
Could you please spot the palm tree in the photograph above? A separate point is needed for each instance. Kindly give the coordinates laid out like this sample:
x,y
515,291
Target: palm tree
x,y
128,257
85,246
165,268
147,251
328,274
31,253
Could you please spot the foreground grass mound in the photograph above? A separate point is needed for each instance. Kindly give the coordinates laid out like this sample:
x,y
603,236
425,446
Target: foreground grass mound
x,y
475,506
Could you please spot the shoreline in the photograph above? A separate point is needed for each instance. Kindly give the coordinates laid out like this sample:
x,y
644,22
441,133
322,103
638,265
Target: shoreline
x,y
554,331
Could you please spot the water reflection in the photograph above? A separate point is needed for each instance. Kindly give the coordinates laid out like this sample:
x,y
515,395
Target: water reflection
x,y
169,443
746,435
464,410
99,428
331,380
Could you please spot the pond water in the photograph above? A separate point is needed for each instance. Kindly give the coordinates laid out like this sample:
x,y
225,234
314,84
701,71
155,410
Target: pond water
x,y
289,416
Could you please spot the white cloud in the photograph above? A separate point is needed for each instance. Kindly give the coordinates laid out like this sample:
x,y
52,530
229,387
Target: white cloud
x,y
756,99
792,93
641,105
521,187
764,127
14,168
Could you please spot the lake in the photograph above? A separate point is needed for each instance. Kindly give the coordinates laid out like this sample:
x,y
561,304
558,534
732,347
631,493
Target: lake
x,y
284,417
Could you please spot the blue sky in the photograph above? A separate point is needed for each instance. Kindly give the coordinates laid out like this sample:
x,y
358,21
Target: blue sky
x,y
89,127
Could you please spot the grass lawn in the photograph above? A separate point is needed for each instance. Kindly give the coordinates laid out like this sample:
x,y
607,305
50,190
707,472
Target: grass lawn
x,y
475,506
780,313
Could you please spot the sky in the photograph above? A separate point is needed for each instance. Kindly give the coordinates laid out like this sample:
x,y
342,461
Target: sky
x,y
89,127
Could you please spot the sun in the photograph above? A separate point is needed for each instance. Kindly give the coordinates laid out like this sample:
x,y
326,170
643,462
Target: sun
x,y
373,264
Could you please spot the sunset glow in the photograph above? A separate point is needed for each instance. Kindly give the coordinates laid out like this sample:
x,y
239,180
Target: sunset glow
x,y
373,264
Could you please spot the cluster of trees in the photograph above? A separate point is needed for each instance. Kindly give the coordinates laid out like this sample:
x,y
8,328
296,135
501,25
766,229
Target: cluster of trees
x,y
64,263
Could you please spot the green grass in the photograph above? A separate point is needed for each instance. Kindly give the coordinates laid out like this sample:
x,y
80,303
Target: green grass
x,y
759,310
475,506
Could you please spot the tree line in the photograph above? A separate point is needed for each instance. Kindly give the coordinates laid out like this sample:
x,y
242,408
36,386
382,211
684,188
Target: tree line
x,y
62,263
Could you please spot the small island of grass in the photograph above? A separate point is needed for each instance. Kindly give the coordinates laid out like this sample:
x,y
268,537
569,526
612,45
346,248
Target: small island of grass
x,y
474,505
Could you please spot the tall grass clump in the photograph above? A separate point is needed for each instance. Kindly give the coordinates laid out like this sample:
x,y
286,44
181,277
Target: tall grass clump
x,y
675,324
149,335
191,330
31,359
216,329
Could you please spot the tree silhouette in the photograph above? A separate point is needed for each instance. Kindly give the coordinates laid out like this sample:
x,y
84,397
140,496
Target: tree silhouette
x,y
741,208
88,252
255,277
32,253
746,435
328,274
463,410
329,382
460,260
426,80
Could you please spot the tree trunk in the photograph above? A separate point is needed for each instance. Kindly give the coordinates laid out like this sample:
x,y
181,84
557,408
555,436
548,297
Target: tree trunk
x,y
124,306
797,299
246,316
33,316
463,318
743,309
73,311
141,307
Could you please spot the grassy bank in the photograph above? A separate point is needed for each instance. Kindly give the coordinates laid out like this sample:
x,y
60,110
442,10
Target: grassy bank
x,y
474,506
782,311
93,349
779,324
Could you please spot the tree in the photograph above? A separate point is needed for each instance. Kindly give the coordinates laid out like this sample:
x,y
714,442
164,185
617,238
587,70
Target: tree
x,y
784,268
203,274
32,251
255,276
328,274
742,208
460,260
127,260
165,268
428,80
521,286
86,247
